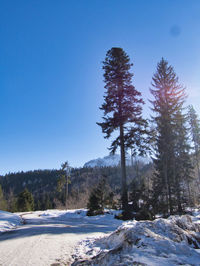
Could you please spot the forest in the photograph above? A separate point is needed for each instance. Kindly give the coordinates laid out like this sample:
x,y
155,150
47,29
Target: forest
x,y
170,137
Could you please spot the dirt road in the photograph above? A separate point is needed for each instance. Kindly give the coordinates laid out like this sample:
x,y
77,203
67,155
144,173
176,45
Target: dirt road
x,y
47,241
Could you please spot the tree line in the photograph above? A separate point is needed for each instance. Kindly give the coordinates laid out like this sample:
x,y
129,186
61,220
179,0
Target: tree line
x,y
48,187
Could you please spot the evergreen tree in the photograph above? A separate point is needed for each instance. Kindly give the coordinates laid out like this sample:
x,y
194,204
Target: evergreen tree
x,y
182,164
194,124
12,202
3,204
122,109
169,97
48,202
100,197
63,182
25,201
93,205
38,205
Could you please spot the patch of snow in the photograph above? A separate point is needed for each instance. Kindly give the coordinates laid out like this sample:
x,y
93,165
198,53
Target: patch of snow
x,y
8,221
72,216
114,160
196,215
110,160
172,241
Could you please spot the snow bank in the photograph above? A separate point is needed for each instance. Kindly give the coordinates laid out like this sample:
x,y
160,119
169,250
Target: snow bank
x,y
8,221
171,241
76,213
196,215
72,217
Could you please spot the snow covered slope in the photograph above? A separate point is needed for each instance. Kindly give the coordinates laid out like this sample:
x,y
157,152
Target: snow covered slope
x,y
167,242
8,221
113,160
110,160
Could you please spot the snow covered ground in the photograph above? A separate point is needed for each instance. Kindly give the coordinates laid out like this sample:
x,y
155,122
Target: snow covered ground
x,y
49,237
8,221
172,241
56,237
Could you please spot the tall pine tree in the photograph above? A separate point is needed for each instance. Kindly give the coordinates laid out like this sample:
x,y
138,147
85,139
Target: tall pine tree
x,y
169,97
194,124
183,169
122,109
63,182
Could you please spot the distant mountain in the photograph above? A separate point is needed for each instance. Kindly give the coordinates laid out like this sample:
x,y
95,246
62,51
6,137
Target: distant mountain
x,y
113,160
110,160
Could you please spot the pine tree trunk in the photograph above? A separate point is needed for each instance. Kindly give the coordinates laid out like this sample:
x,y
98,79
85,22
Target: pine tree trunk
x,y
180,210
166,189
66,190
189,194
131,158
170,197
198,170
124,196
176,184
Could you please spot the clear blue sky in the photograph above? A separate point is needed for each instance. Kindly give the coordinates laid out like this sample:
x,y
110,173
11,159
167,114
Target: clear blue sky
x,y
51,81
